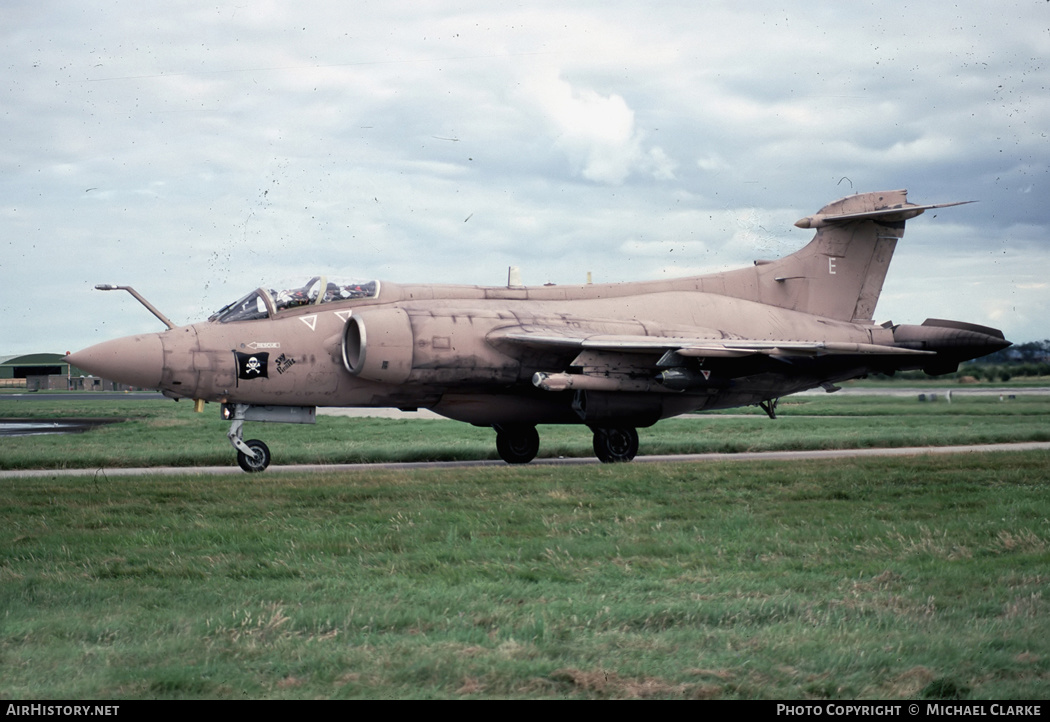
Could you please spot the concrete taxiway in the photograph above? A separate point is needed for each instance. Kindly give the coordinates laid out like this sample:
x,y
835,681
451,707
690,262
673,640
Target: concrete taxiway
x,y
683,458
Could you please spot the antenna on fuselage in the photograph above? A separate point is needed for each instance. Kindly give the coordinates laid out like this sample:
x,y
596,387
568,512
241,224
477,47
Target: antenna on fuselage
x,y
514,277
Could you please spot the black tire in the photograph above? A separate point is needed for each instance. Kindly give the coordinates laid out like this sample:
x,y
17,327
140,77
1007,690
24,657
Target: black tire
x,y
517,444
615,444
259,462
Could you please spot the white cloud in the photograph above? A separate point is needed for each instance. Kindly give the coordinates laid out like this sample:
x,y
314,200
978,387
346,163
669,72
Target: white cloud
x,y
596,132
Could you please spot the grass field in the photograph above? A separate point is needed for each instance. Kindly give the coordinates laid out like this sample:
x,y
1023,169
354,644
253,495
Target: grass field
x,y
868,578
170,434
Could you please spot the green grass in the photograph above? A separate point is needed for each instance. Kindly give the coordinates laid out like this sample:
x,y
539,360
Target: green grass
x,y
168,433
841,579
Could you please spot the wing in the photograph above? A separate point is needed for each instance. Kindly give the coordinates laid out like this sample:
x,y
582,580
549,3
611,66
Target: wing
x,y
696,347
640,363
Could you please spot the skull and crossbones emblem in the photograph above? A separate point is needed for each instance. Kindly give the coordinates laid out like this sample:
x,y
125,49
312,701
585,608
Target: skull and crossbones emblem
x,y
252,365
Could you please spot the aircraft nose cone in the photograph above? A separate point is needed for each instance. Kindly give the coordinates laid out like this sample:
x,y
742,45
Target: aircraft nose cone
x,y
135,360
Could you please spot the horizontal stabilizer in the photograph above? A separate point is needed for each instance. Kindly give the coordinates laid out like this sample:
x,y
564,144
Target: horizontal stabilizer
x,y
895,214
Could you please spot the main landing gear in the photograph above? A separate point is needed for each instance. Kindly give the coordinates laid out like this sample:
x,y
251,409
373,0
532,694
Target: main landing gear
x,y
615,444
519,443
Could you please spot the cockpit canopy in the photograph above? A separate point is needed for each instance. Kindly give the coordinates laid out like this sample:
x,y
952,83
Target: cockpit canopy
x,y
264,302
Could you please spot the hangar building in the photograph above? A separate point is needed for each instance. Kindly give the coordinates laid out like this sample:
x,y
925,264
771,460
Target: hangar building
x,y
40,371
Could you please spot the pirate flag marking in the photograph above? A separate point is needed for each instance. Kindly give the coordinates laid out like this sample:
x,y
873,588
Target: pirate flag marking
x,y
252,365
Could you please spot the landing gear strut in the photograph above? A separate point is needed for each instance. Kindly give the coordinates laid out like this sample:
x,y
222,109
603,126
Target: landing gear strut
x,y
615,444
517,444
770,407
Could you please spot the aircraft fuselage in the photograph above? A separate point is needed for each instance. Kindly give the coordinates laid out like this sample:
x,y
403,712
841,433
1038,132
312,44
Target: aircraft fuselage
x,y
299,354
612,356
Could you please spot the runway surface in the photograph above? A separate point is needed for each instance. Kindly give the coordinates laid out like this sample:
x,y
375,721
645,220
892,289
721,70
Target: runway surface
x,y
683,458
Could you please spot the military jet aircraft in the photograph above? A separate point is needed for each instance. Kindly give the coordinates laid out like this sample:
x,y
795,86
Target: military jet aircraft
x,y
612,356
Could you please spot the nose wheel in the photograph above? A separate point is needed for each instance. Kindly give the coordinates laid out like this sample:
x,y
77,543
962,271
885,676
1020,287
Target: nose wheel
x,y
259,459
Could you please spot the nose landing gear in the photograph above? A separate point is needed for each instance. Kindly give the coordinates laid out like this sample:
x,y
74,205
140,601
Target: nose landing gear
x,y
254,455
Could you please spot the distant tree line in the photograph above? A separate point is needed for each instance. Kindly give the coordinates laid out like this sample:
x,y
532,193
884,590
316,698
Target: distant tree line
x,y
1020,360
1023,359
1021,353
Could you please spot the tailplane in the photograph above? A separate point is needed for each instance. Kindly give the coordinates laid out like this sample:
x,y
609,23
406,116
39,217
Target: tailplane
x,y
839,274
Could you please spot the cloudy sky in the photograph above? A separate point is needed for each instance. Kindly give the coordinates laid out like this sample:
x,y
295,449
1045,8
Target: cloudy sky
x,y
198,150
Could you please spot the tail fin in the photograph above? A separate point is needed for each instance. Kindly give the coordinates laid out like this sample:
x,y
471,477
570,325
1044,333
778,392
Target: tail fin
x,y
839,274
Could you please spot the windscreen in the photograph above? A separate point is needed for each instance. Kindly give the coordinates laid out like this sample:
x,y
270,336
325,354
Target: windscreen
x,y
317,290
248,308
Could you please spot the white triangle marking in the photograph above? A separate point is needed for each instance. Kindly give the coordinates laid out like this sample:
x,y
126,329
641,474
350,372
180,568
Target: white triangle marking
x,y
310,321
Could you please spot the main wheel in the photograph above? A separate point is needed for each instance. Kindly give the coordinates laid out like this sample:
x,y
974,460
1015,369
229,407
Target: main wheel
x,y
517,444
254,463
615,444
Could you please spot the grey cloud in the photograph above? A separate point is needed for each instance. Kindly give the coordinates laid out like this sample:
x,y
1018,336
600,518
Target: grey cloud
x,y
195,151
